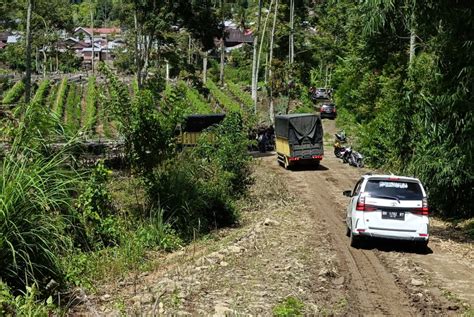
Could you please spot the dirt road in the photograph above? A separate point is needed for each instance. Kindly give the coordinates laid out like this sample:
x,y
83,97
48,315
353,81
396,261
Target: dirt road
x,y
291,243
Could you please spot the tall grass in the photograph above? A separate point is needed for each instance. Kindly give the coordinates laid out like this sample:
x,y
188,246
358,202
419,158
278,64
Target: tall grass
x,y
35,192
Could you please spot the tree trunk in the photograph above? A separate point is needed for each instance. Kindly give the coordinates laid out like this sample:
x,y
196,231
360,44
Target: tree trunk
x,y
92,39
326,78
204,68
412,46
147,44
221,75
45,61
167,71
137,57
261,41
292,32
270,58
189,49
254,61
28,52
37,61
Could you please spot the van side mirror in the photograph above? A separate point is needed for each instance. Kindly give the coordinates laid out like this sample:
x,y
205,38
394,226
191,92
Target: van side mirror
x,y
347,193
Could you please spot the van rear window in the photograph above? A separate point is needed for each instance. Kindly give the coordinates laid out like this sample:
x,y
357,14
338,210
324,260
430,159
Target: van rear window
x,y
399,189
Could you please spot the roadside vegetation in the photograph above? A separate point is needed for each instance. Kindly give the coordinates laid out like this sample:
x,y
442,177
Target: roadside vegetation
x,y
65,225
411,114
63,228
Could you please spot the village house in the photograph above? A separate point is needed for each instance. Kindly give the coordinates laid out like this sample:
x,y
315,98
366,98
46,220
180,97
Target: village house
x,y
105,40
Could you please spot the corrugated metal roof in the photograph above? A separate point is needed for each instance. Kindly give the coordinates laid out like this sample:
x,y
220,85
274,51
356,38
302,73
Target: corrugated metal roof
x,y
238,36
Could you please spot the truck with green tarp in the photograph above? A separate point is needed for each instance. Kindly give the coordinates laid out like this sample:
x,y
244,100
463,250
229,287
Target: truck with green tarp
x,y
299,139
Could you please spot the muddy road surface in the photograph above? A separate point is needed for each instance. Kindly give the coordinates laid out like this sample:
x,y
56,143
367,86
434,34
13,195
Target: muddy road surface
x,y
291,243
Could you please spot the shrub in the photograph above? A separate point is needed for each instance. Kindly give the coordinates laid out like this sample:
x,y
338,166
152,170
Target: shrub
x,y
290,307
26,305
194,195
94,206
14,94
228,148
156,232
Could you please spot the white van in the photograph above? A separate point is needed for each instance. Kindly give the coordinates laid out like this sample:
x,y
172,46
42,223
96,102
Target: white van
x,y
388,206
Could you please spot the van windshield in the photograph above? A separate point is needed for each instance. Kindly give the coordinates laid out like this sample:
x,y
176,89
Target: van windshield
x,y
399,189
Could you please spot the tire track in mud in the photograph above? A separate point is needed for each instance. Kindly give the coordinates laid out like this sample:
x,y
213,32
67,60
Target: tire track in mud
x,y
372,287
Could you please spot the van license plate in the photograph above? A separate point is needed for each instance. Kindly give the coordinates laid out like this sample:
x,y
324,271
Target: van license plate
x,y
395,215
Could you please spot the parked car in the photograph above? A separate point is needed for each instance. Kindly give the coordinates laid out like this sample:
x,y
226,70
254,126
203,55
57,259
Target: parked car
x,y
321,93
328,110
388,206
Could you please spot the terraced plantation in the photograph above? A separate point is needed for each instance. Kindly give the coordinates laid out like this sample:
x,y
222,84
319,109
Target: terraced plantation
x,y
78,106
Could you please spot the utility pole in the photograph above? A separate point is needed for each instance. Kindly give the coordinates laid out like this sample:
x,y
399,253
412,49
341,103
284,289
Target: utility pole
x,y
255,56
292,32
412,37
28,52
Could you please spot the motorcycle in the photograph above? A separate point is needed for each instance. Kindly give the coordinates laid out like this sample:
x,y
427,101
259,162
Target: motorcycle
x,y
353,158
339,149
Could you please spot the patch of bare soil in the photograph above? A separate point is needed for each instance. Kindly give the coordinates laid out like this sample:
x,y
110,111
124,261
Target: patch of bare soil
x,y
437,281
279,250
